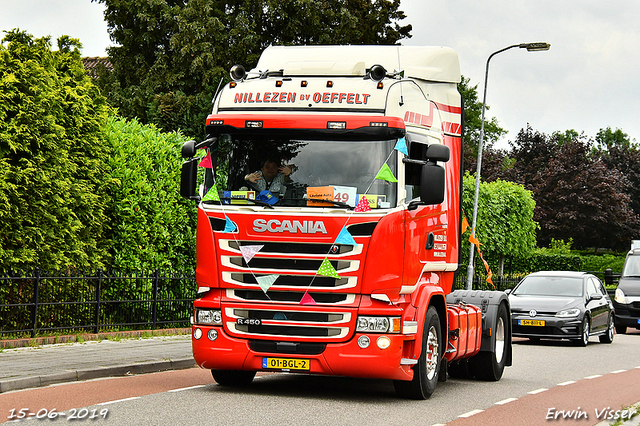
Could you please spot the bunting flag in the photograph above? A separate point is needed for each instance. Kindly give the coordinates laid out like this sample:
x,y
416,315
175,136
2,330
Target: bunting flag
x,y
385,173
473,240
249,251
363,205
401,146
327,269
266,281
230,226
307,299
211,195
465,225
206,161
344,237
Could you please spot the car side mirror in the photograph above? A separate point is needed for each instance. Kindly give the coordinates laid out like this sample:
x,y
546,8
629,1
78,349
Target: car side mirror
x,y
507,291
595,296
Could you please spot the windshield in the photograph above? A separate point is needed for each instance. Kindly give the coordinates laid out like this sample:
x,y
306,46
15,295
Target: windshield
x,y
299,172
631,267
549,286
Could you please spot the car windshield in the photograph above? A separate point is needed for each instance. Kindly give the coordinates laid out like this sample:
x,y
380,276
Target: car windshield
x,y
549,286
631,267
302,172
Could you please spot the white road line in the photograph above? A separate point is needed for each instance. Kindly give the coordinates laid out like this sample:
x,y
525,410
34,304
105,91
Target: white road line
x,y
119,400
594,376
533,392
183,389
470,413
618,371
505,401
566,383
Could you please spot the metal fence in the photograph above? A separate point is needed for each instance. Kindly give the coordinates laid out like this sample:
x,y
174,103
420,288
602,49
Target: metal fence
x,y
43,301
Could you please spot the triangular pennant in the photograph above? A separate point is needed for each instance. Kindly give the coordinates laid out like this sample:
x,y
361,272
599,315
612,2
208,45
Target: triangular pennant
x,y
401,146
465,225
327,269
249,251
206,161
344,237
266,281
385,173
307,299
230,226
363,205
211,195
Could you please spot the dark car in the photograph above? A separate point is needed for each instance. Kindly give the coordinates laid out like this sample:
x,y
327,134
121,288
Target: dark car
x,y
627,299
562,305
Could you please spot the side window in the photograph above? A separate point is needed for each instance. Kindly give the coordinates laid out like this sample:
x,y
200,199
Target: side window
x,y
600,287
591,288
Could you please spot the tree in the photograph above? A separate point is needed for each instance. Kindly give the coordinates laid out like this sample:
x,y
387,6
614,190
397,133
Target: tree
x,y
172,54
579,197
52,156
472,122
505,225
530,153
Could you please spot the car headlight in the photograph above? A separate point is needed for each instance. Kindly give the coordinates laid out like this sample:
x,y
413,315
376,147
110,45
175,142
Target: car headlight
x,y
568,313
208,316
620,297
378,324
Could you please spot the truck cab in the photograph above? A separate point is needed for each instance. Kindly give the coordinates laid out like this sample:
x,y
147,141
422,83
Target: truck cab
x,y
329,212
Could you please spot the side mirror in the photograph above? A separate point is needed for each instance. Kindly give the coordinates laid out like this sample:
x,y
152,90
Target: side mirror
x,y
188,178
432,182
437,152
189,149
507,291
596,296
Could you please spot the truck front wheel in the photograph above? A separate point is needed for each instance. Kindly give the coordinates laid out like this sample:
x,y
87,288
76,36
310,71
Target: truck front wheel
x,y
425,372
233,377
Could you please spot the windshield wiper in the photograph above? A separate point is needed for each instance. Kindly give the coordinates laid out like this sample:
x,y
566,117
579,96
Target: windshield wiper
x,y
321,200
252,200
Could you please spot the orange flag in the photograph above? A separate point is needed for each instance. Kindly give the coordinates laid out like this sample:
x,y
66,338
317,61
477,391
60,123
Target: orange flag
x,y
465,225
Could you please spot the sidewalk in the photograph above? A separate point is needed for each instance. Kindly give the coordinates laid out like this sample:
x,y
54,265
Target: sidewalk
x,y
28,367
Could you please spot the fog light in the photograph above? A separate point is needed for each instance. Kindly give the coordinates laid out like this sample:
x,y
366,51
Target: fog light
x,y
197,334
212,334
383,342
363,342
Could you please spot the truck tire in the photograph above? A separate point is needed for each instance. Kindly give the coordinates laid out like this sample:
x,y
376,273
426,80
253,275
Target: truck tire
x,y
233,377
489,365
425,372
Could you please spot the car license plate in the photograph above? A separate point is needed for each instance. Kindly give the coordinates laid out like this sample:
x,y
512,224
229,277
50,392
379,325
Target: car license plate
x,y
536,323
286,363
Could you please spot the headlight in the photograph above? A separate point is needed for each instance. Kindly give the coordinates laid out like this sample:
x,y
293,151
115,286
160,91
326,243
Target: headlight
x,y
568,313
208,316
620,297
378,324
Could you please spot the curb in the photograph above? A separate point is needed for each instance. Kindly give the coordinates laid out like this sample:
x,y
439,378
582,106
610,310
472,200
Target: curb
x,y
72,338
95,373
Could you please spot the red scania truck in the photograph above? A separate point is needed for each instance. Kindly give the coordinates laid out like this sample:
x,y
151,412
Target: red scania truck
x,y
343,262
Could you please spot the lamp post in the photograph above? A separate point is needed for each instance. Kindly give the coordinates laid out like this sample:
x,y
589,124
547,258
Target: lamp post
x,y
531,47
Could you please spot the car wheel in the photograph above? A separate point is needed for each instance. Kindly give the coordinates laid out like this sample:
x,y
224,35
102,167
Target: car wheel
x,y
425,372
608,336
233,377
584,338
621,329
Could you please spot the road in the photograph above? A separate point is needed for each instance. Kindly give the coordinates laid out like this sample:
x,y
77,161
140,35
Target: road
x,y
546,376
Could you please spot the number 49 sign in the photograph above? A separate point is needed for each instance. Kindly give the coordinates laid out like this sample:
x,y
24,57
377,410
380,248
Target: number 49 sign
x,y
345,194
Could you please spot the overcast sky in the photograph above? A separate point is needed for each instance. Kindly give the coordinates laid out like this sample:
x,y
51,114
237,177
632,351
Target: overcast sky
x,y
586,81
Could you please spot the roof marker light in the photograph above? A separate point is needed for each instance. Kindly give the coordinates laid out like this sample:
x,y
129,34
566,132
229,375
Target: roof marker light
x,y
278,83
329,83
303,83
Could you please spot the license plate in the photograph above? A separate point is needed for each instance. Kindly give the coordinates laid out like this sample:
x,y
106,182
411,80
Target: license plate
x,y
286,363
536,323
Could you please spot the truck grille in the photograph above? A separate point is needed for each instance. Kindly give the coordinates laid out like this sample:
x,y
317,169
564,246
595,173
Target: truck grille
x,y
288,324
288,296
291,281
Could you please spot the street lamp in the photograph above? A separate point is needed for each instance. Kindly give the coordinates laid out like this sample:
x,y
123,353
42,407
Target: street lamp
x,y
531,47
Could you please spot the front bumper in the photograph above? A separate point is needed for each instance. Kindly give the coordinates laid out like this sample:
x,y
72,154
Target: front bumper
x,y
627,314
337,359
553,328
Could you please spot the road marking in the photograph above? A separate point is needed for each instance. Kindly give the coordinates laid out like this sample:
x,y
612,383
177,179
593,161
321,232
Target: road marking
x,y
595,376
183,389
119,400
470,413
618,371
505,401
537,391
566,383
